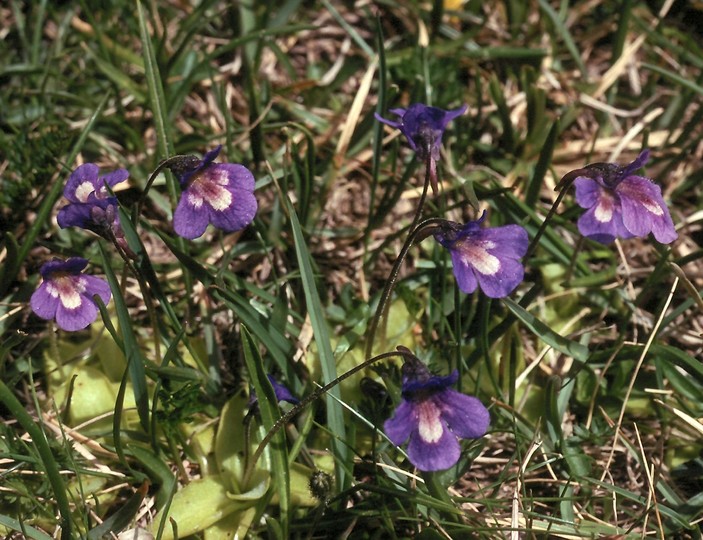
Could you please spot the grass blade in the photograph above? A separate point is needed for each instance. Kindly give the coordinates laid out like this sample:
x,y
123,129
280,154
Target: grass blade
x,y
335,418
270,413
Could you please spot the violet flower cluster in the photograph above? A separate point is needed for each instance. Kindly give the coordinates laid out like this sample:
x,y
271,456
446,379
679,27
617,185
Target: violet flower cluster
x,y
618,203
217,193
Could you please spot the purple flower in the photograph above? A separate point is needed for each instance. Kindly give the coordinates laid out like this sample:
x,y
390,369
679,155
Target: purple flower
x,y
217,193
489,258
281,391
424,126
433,415
620,204
90,205
67,295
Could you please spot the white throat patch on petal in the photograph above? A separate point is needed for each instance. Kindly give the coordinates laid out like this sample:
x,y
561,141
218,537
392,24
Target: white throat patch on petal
x,y
430,426
476,255
209,188
68,289
604,208
83,191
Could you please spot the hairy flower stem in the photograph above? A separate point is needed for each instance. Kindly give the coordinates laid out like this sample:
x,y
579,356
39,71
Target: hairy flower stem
x,y
283,420
421,231
563,186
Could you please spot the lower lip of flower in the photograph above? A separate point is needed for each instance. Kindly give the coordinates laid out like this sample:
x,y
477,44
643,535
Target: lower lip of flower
x,y
604,208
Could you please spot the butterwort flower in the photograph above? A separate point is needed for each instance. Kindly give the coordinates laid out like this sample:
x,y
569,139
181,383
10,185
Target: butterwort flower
x,y
66,294
424,126
217,193
90,205
433,416
485,257
620,204
281,391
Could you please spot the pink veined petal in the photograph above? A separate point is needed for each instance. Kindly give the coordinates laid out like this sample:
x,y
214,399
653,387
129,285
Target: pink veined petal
x,y
465,415
644,209
401,424
43,303
436,456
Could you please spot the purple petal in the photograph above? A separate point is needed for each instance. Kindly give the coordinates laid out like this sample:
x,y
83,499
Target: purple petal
x,y
95,285
401,425
504,281
604,232
511,241
638,163
76,318
240,213
189,221
43,303
391,123
464,273
237,176
75,215
454,113
74,265
210,156
465,415
114,178
644,209
281,391
82,182
587,191
434,456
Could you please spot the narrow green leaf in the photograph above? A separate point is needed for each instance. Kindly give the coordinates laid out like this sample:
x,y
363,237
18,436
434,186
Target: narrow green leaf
x,y
335,418
563,32
545,159
270,413
135,359
31,532
122,518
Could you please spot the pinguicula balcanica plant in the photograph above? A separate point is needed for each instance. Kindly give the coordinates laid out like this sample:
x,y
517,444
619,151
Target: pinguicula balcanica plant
x,y
485,257
433,415
621,204
66,294
217,193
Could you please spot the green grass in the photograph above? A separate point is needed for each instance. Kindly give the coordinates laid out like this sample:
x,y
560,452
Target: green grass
x,y
591,369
